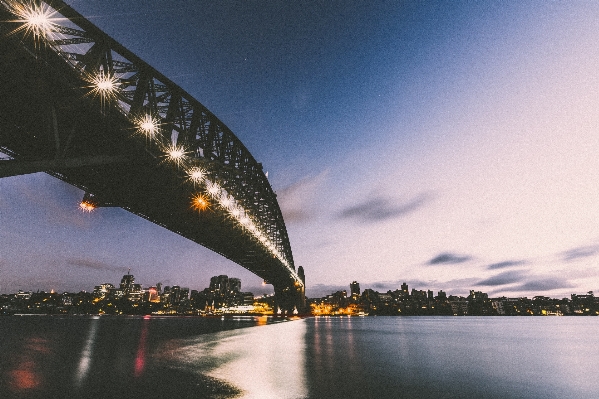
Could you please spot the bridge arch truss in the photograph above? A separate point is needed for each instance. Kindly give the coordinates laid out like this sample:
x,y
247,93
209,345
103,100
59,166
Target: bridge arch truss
x,y
169,129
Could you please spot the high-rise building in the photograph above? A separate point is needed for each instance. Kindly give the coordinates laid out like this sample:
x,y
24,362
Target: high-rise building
x,y
248,298
152,295
234,284
175,295
404,289
354,288
101,291
127,282
220,284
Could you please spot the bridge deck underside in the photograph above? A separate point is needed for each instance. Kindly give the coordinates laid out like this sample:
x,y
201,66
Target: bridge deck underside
x,y
46,115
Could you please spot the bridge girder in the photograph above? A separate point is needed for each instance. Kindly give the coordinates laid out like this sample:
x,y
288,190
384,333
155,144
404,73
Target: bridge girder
x,y
57,118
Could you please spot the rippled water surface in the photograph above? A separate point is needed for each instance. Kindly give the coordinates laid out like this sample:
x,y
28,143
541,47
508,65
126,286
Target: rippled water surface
x,y
366,357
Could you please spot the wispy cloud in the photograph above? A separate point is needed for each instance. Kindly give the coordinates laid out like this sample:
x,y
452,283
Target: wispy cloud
x,y
321,290
447,258
379,209
504,278
297,200
94,264
503,265
520,281
543,284
580,252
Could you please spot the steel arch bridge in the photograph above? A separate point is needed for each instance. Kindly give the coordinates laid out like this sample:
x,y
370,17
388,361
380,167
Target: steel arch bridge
x,y
76,104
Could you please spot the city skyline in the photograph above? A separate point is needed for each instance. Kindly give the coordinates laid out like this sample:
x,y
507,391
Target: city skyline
x,y
215,282
224,296
442,144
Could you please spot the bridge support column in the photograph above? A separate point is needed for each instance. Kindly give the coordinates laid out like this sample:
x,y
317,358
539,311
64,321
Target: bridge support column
x,y
290,299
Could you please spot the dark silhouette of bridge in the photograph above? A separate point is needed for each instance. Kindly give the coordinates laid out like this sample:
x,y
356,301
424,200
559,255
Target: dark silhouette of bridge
x,y
77,105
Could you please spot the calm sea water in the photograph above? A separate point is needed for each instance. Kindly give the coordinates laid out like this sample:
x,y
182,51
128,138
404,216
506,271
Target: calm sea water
x,y
326,357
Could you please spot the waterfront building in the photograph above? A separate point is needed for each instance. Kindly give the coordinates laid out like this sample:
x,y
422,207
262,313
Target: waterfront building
x,y
103,290
354,288
220,284
127,282
459,307
234,284
404,289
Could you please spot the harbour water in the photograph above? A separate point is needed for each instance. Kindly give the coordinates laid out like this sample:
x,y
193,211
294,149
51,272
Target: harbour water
x,y
323,357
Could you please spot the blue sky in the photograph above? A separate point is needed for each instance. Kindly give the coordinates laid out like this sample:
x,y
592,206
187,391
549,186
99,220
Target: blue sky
x,y
451,145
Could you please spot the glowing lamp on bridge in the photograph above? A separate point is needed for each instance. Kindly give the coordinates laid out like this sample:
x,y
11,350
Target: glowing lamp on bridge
x,y
175,154
245,221
196,175
236,212
199,202
86,206
36,18
213,189
103,85
147,125
226,202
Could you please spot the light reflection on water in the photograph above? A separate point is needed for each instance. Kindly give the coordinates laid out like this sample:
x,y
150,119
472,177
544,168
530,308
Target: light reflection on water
x,y
452,357
87,353
265,362
325,357
140,357
26,372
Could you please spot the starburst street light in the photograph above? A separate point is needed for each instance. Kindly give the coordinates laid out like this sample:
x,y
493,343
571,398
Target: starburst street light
x,y
86,206
199,202
226,202
176,154
104,85
213,189
147,125
196,175
36,19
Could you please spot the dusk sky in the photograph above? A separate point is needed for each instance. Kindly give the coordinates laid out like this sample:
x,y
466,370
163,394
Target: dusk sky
x,y
451,145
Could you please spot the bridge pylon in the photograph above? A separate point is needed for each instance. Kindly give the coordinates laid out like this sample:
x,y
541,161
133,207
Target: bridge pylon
x,y
290,298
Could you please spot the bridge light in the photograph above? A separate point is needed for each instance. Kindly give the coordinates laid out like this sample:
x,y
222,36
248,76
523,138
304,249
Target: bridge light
x,y
104,85
196,175
226,201
147,125
86,206
213,189
245,221
236,212
199,202
36,18
175,154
